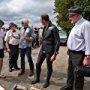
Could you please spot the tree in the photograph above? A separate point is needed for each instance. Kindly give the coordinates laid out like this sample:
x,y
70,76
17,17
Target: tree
x,y
85,5
62,6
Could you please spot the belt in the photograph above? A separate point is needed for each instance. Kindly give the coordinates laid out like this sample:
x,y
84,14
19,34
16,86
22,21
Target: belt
x,y
73,51
14,45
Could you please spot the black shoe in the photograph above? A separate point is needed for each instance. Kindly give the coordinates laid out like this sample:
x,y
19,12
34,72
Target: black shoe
x,y
21,73
10,69
17,68
46,84
35,81
66,87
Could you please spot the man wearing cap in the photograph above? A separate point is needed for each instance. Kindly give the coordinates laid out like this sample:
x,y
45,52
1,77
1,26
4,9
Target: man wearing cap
x,y
26,38
79,49
12,43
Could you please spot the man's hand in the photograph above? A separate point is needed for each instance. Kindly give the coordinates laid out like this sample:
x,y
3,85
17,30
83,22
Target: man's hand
x,y
53,58
26,38
8,50
86,61
23,38
16,37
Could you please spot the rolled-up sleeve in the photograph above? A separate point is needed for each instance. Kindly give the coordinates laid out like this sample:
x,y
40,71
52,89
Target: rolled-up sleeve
x,y
29,33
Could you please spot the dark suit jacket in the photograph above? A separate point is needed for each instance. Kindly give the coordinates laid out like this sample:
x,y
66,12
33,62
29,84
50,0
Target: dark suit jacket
x,y
51,39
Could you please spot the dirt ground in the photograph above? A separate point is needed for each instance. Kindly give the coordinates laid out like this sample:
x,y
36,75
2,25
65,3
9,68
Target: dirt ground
x,y
58,78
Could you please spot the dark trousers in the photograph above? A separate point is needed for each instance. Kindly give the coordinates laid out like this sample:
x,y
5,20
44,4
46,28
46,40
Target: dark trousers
x,y
26,51
41,58
13,56
75,59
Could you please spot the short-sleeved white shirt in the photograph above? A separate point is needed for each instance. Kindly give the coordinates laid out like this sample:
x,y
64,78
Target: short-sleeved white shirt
x,y
11,39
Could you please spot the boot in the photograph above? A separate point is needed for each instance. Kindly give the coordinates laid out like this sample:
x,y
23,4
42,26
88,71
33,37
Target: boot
x,y
46,84
21,73
35,81
31,73
67,87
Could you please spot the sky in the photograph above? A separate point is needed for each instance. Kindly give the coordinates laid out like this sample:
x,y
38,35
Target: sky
x,y
17,10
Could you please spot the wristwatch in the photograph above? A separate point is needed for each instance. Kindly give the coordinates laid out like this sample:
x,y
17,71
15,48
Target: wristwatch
x,y
88,56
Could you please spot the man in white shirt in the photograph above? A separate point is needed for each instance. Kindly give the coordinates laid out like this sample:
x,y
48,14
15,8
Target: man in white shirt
x,y
79,49
12,43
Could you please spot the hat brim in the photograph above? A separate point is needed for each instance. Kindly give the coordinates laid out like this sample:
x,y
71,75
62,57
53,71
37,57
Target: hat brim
x,y
72,13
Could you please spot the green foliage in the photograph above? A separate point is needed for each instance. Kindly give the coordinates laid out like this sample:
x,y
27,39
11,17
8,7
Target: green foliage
x,y
62,6
85,4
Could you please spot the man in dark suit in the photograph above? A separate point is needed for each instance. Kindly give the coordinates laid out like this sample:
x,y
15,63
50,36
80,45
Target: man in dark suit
x,y
49,49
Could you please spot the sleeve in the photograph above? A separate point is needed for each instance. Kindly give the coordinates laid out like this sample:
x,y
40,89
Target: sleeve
x,y
29,33
7,36
86,28
32,33
19,34
57,40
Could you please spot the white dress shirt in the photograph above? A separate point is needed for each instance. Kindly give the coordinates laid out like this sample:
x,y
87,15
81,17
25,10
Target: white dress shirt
x,y
12,40
79,38
1,38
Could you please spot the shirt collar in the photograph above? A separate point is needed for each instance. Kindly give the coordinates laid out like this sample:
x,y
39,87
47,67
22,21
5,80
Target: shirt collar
x,y
81,20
